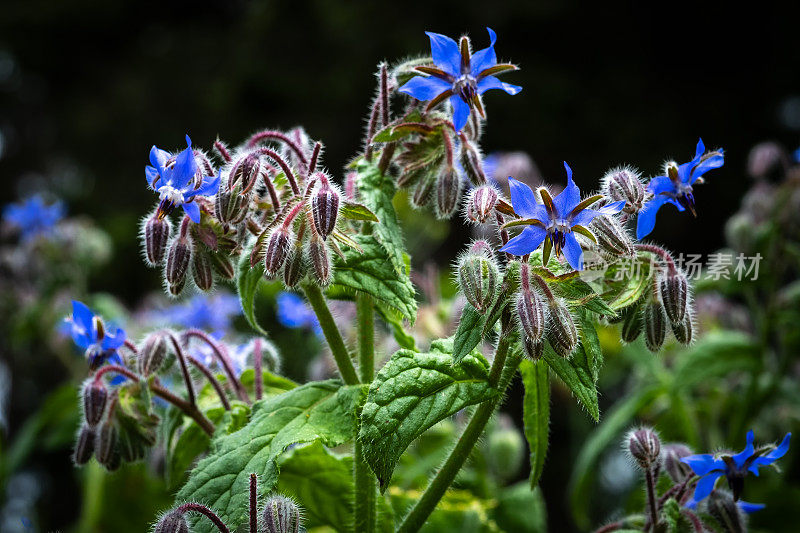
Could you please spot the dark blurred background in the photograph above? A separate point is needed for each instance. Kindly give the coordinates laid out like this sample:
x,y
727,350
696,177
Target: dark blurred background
x,y
86,87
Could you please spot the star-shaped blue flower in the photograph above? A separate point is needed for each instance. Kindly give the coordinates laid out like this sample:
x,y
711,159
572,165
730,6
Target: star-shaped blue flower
x,y
459,76
676,187
89,334
734,468
33,217
178,180
555,222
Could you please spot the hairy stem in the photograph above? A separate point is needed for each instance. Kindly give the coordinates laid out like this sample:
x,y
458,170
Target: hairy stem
x,y
211,379
221,355
257,368
202,509
652,506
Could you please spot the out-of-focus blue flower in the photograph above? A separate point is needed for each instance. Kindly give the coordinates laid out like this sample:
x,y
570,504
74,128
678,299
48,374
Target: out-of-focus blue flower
x,y
294,312
88,333
459,76
554,222
178,180
33,217
797,155
212,313
734,468
676,187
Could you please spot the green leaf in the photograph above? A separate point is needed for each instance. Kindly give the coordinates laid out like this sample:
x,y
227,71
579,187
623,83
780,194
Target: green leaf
x,y
356,211
536,413
576,373
590,343
322,410
469,332
372,272
521,510
411,393
576,291
247,281
395,321
618,419
630,288
715,355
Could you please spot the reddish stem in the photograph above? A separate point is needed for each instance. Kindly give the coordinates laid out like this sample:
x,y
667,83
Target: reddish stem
x,y
222,357
211,379
284,166
181,356
222,151
257,368
312,165
202,509
278,136
253,502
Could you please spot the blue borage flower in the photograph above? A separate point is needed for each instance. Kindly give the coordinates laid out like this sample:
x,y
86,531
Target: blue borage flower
x,y
178,180
734,468
555,222
460,76
676,187
89,333
293,312
212,313
33,217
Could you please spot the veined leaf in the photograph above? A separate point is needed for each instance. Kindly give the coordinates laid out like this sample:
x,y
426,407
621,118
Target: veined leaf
x,y
247,281
469,332
536,413
577,375
411,393
395,322
323,410
356,211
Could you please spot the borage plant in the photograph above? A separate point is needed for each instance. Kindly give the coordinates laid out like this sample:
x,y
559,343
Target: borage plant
x,y
553,268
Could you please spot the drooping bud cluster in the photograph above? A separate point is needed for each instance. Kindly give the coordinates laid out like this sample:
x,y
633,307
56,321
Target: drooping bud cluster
x,y
155,232
531,314
481,202
179,255
281,515
95,398
645,447
624,183
478,276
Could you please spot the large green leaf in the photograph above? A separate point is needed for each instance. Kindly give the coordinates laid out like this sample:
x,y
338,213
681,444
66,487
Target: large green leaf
x,y
411,393
536,413
371,272
576,373
590,343
247,281
323,410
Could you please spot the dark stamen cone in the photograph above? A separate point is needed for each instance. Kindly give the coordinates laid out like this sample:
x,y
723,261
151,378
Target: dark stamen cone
x,y
481,203
152,354
84,447
156,235
278,248
178,257
674,289
448,191
478,276
561,333
325,208
172,522
320,260
95,397
202,272
633,324
281,515
655,325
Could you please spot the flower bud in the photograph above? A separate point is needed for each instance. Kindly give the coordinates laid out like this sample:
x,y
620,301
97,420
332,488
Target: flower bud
x,y
561,333
295,269
156,233
320,259
677,470
246,170
612,236
202,272
278,248
655,325
84,447
684,330
95,398
152,354
533,350
632,324
105,446
448,191
478,274
726,512
530,308
175,289
178,257
624,183
222,265
471,163
325,207
172,522
644,446
422,191
481,203
230,206
674,289
281,515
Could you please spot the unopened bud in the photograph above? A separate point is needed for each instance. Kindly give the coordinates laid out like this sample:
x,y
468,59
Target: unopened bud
x,y
478,274
325,207
612,236
222,265
533,350
644,446
655,325
84,447
175,289
422,192
722,506
230,206
530,308
674,289
278,248
684,330
246,170
561,333
95,398
633,324
172,522
481,203
624,183
281,515
320,259
448,191
152,354
178,257
156,232
105,446
295,269
201,271
472,164
677,470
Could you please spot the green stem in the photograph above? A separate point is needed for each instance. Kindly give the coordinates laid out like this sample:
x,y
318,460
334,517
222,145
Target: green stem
x,y
500,376
365,482
331,332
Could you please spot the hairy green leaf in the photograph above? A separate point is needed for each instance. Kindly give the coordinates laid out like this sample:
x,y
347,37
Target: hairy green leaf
x,y
576,373
536,413
356,211
469,332
395,321
635,277
247,280
590,343
323,410
411,393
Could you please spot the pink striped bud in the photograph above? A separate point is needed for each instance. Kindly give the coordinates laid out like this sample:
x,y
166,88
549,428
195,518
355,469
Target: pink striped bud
x,y
278,248
320,260
95,397
156,232
481,203
325,207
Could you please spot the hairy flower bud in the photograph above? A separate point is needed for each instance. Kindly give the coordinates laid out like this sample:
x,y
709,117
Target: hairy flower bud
x,y
295,268
172,522
677,470
156,232
278,248
202,272
478,274
655,325
644,446
684,330
325,207
561,333
320,259
533,350
624,183
281,515
152,354
175,289
84,447
632,325
530,308
95,398
230,206
481,203
178,257
612,236
422,191
726,512
471,163
448,191
674,288
105,446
